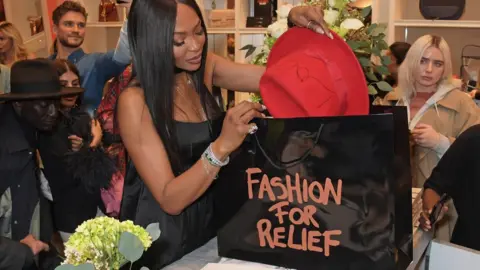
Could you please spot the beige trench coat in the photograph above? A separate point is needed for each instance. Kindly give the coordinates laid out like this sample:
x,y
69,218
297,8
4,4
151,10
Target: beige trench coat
x,y
451,116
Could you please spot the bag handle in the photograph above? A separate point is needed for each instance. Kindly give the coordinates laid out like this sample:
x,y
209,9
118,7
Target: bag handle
x,y
288,164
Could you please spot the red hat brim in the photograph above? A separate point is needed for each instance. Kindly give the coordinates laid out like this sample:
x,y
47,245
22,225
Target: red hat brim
x,y
311,75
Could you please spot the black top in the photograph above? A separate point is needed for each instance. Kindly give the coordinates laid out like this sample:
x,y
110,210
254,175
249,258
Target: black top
x,y
458,174
196,225
18,169
187,231
72,202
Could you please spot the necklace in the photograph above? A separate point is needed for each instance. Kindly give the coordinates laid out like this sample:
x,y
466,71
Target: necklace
x,y
189,83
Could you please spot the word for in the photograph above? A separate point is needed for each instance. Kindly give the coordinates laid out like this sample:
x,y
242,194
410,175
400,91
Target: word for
x,y
280,237
295,190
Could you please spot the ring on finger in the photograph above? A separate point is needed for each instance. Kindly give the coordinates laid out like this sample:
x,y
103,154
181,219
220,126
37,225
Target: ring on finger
x,y
309,24
252,129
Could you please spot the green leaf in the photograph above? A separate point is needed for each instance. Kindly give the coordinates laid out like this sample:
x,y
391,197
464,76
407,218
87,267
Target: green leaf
x,y
384,86
154,230
249,48
366,11
383,70
379,37
386,60
382,45
365,50
371,27
85,266
380,29
65,267
250,52
130,247
371,76
355,45
371,90
365,62
376,52
246,47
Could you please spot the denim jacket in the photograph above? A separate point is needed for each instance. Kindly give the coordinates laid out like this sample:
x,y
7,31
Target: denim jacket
x,y
98,68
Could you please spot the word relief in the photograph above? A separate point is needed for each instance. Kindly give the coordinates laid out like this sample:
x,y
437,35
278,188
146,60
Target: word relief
x,y
300,192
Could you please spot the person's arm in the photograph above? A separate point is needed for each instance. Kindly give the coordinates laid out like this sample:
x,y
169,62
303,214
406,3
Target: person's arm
x,y
122,53
147,152
15,255
452,168
235,76
114,62
467,116
149,156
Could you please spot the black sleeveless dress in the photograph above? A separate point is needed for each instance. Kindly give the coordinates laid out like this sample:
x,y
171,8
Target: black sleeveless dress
x,y
183,233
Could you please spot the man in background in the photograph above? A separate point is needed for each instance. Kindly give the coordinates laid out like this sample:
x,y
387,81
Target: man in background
x,y
69,26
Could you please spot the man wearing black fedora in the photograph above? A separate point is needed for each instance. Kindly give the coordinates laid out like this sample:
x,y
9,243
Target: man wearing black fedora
x,y
30,107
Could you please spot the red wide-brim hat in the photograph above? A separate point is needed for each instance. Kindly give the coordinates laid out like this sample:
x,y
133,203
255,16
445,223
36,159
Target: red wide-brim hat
x,y
311,75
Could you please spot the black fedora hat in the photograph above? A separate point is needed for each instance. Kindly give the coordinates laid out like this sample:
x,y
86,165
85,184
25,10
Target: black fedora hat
x,y
36,79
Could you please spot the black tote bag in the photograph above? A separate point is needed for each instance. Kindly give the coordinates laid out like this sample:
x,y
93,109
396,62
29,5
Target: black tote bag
x,y
316,193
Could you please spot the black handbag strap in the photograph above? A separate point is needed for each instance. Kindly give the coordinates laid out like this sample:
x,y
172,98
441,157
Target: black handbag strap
x,y
282,165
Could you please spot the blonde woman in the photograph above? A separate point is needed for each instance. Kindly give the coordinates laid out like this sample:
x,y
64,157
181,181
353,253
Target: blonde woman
x,y
438,111
12,48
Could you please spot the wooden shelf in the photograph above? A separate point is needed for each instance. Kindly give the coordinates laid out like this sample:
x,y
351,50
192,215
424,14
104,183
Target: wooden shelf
x,y
104,24
220,30
438,23
37,44
252,30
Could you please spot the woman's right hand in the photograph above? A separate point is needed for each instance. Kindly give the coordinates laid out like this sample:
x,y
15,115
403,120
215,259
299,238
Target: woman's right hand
x,y
236,126
425,223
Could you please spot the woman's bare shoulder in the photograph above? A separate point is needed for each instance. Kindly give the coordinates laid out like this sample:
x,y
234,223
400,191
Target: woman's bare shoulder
x,y
132,95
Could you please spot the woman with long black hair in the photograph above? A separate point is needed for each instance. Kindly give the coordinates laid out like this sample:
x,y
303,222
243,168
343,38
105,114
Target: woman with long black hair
x,y
174,131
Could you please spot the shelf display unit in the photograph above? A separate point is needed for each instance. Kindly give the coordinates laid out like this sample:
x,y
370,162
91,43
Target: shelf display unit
x,y
406,23
18,12
103,36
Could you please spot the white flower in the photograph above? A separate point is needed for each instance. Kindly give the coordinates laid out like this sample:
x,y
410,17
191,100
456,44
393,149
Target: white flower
x,y
351,24
331,3
277,28
330,16
283,11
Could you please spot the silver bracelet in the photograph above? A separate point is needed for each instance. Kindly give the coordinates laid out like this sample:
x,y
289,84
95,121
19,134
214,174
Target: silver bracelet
x,y
212,159
205,168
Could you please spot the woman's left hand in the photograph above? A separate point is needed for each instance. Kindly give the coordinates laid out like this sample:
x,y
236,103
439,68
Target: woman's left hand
x,y
426,136
310,17
96,133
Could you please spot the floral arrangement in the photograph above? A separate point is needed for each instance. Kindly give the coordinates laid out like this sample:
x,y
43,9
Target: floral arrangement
x,y
105,243
365,39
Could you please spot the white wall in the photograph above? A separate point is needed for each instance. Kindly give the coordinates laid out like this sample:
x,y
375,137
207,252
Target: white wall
x,y
17,12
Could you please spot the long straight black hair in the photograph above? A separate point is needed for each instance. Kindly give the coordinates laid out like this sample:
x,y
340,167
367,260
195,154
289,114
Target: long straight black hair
x,y
151,26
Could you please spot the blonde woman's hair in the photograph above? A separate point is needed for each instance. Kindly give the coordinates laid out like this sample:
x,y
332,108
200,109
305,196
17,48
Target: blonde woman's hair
x,y
406,79
19,49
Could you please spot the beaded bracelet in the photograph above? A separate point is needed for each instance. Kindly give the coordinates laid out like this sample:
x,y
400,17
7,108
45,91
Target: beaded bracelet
x,y
212,159
205,167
